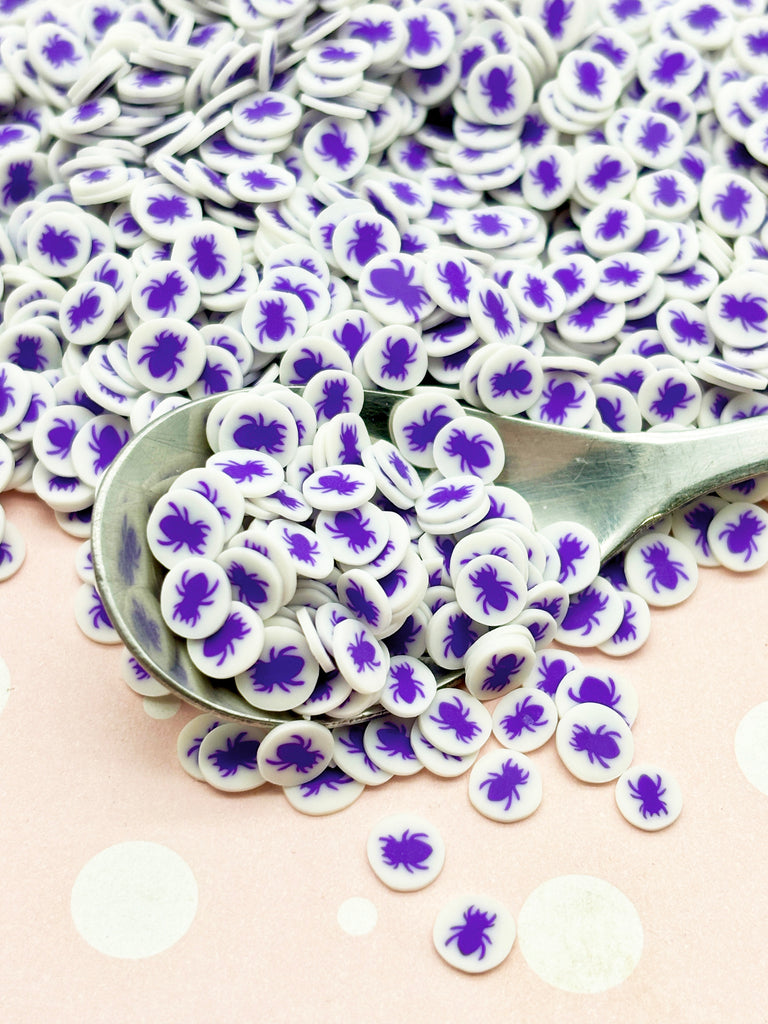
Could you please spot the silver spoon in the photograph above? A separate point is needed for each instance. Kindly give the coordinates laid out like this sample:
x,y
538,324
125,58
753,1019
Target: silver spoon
x,y
616,484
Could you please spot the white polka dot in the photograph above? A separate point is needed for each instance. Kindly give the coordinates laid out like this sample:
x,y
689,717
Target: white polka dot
x,y
580,934
134,899
161,707
357,916
751,745
5,684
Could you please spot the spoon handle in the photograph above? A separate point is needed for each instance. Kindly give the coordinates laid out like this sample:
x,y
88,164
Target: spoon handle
x,y
619,484
657,473
699,461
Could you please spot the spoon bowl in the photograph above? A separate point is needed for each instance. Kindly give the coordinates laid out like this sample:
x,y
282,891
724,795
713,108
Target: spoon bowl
x,y
616,484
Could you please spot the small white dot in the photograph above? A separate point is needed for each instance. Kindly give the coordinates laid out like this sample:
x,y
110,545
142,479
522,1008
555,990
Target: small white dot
x,y
580,934
134,900
751,746
5,684
161,707
357,916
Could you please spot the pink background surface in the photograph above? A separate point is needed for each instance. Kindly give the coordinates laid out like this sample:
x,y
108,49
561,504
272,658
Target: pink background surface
x,y
83,767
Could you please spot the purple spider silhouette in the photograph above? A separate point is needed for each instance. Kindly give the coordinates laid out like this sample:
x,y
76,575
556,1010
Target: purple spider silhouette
x,y
501,669
672,397
336,481
335,148
611,413
559,399
609,49
336,398
595,690
361,605
85,311
472,935
398,355
528,717
498,90
598,745
168,208
750,310
195,592
546,174
206,260
20,182
740,535
162,293
105,444
260,434
757,43
571,551
686,330
496,308
249,588
421,36
664,572
393,740
353,744
590,77
405,686
274,321
98,613
59,51
7,393
570,279
221,644
654,136
669,64
163,355
409,851
504,785
584,610
353,528
279,669
514,381
666,190
58,246
454,716
180,531
264,108
607,171
370,31
492,592
456,278
459,636
61,435
363,653
732,203
298,754
470,449
614,225
330,778
552,670
365,242
394,284
648,792
239,752
445,495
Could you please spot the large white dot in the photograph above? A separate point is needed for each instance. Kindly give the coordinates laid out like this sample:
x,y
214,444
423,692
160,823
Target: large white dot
x,y
134,899
580,934
357,916
751,745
